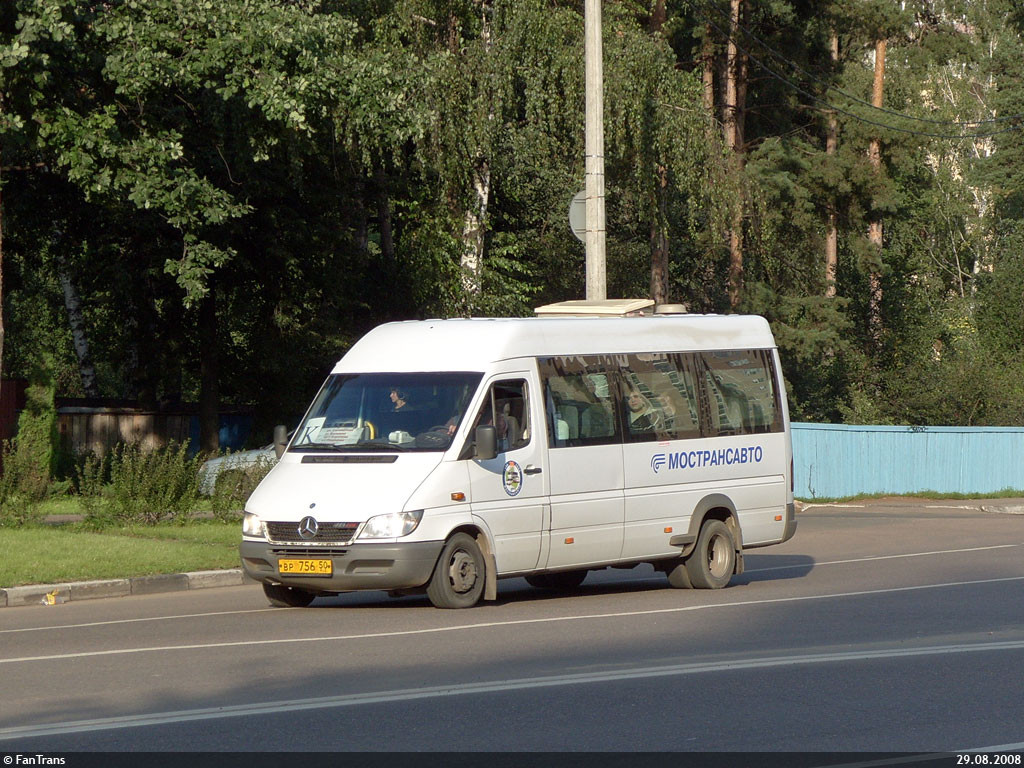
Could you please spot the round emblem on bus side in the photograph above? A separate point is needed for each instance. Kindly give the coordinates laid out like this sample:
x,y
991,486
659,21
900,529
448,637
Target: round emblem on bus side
x,y
512,478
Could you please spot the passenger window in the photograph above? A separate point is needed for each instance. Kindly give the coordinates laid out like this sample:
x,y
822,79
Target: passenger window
x,y
507,407
580,396
740,387
659,398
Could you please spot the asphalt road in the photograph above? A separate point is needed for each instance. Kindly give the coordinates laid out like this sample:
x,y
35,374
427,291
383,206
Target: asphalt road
x,y
890,626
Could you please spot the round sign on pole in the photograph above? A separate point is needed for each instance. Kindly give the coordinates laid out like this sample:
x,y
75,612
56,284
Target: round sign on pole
x,y
578,215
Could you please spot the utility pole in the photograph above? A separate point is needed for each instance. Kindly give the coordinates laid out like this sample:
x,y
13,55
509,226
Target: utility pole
x,y
595,234
735,103
831,147
875,226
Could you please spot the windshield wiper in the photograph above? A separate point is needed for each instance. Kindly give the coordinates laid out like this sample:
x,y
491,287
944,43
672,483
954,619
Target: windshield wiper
x,y
317,447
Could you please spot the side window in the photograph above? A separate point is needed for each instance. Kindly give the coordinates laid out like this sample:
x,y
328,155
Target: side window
x,y
659,398
740,387
507,407
580,400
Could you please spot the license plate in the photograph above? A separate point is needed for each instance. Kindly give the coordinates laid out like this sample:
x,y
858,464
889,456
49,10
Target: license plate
x,y
306,567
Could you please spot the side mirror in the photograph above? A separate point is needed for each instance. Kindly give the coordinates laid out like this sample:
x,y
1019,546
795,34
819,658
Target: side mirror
x,y
280,439
486,442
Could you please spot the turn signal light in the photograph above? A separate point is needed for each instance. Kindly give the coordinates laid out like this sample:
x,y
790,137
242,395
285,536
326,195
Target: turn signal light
x,y
458,496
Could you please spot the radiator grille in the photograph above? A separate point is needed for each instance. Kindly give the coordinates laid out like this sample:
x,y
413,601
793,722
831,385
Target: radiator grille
x,y
327,533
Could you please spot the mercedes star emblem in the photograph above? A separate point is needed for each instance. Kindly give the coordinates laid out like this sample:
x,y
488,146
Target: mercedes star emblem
x,y
308,527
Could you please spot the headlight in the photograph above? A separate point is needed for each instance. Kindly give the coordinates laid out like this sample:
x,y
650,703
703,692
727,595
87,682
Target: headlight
x,y
391,526
252,525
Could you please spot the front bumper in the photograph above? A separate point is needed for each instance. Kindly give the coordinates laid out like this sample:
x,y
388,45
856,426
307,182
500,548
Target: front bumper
x,y
355,566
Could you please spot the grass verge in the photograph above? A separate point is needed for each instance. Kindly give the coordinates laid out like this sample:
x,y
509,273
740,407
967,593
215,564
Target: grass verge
x,y
57,554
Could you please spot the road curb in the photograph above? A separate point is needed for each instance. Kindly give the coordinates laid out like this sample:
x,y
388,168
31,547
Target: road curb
x,y
55,594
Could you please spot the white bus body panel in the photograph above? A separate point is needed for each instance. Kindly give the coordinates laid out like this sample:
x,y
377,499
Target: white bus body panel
x,y
587,505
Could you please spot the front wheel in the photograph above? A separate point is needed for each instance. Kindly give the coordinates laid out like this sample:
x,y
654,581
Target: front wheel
x,y
714,558
281,596
458,580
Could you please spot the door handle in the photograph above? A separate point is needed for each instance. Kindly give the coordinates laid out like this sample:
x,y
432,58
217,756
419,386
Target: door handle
x,y
532,471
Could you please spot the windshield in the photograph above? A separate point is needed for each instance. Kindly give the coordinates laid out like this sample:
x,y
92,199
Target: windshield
x,y
386,411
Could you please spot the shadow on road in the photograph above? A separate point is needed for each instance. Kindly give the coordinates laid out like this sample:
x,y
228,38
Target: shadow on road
x,y
609,581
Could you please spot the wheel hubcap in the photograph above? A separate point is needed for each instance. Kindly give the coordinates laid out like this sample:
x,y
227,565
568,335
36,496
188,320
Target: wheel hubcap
x,y
462,571
718,557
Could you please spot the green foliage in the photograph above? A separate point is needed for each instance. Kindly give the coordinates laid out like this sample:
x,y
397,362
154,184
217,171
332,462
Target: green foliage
x,y
314,163
150,487
34,443
18,505
29,458
91,473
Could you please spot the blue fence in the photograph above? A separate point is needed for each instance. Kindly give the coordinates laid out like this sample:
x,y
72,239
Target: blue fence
x,y
835,460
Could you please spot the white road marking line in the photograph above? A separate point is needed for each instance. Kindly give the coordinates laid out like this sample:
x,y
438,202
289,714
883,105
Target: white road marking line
x,y
496,624
498,686
1000,748
138,620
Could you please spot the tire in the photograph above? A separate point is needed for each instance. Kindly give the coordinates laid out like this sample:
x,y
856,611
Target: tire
x,y
458,580
281,596
561,580
714,558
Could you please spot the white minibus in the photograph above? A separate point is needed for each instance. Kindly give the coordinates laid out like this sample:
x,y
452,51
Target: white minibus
x,y
443,455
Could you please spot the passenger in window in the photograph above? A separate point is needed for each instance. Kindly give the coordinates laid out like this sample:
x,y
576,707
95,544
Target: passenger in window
x,y
642,415
397,399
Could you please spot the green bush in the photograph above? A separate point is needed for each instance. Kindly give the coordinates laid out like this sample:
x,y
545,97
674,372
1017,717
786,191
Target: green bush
x,y
148,487
90,475
19,497
28,458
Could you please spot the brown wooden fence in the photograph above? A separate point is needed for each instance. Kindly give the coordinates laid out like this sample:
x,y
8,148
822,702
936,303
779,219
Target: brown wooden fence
x,y
98,425
98,430
89,425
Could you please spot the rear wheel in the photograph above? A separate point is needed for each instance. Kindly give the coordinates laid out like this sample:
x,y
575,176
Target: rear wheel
x,y
458,580
714,558
558,580
281,596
